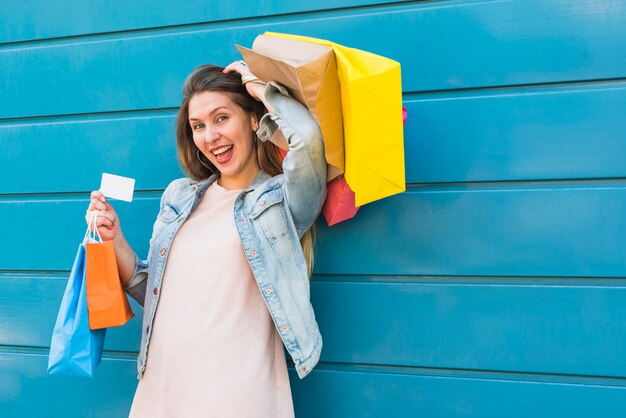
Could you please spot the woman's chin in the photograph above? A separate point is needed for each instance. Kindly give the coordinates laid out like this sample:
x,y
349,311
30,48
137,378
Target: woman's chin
x,y
227,170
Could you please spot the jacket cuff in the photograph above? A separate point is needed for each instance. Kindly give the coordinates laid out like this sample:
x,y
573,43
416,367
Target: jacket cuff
x,y
304,368
139,275
267,126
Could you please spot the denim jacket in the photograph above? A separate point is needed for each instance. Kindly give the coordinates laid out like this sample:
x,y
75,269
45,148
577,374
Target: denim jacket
x,y
271,216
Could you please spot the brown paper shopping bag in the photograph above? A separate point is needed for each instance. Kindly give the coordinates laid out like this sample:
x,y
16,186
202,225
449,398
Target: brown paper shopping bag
x,y
106,300
309,71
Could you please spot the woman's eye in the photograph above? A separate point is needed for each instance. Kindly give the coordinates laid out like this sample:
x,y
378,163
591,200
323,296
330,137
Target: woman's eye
x,y
198,126
221,118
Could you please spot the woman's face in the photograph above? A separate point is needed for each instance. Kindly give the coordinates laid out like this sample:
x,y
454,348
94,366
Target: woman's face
x,y
223,132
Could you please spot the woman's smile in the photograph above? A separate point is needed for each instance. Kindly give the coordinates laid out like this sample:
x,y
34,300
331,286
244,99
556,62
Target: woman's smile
x,y
222,154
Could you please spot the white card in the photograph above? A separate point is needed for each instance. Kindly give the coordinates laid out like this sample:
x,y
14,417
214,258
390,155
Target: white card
x,y
117,187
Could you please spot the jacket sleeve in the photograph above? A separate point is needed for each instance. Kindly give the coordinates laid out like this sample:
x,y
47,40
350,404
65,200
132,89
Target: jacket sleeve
x,y
136,286
304,166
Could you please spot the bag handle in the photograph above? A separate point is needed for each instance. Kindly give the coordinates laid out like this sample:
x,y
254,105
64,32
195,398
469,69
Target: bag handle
x,y
92,235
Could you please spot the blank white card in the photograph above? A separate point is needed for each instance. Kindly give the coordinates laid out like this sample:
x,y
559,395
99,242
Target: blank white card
x,y
117,187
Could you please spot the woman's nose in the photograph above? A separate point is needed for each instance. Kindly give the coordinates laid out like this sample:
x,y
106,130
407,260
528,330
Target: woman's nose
x,y
211,134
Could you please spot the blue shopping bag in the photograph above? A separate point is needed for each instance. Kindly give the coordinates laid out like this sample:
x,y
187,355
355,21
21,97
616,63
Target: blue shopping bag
x,y
75,349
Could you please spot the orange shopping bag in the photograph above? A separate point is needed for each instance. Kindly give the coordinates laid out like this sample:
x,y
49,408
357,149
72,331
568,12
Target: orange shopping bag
x,y
106,300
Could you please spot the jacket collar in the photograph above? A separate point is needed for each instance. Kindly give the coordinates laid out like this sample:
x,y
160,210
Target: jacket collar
x,y
260,178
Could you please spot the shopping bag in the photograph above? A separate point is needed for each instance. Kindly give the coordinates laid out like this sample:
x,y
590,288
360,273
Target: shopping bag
x,y
309,72
371,103
340,202
339,205
75,349
106,299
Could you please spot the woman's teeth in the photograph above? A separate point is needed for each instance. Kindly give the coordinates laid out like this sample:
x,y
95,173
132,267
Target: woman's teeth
x,y
222,150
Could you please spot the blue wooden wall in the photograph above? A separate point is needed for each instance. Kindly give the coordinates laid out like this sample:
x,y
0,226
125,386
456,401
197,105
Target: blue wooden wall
x,y
494,287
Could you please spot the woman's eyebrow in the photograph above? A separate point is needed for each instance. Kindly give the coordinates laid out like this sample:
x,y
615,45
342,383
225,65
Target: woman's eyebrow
x,y
212,111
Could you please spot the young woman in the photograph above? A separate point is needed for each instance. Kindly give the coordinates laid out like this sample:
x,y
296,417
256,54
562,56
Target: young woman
x,y
226,282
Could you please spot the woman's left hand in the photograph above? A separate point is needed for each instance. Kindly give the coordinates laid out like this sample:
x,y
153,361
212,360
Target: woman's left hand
x,y
255,88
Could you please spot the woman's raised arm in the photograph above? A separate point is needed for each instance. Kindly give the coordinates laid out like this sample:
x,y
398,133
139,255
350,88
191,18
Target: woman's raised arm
x,y
305,164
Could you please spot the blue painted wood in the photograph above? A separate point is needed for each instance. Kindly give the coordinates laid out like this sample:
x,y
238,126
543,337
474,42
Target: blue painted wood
x,y
339,394
65,228
519,134
530,229
534,229
29,392
527,327
549,343
443,324
28,309
73,153
536,43
40,19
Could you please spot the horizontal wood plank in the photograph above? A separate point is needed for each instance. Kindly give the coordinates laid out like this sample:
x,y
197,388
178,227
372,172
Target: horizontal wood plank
x,y
39,19
534,229
71,154
339,394
527,229
29,307
439,324
141,71
517,134
28,391
46,230
526,328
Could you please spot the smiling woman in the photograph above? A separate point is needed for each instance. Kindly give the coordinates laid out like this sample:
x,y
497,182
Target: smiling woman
x,y
211,99
224,133
228,271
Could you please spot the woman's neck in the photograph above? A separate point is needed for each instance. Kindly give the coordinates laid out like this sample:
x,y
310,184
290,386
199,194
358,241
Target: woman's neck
x,y
237,182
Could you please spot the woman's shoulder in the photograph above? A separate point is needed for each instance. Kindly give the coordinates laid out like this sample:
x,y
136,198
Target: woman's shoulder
x,y
180,183
179,186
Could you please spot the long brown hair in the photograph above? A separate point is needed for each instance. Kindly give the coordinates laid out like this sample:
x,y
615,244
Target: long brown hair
x,y
196,165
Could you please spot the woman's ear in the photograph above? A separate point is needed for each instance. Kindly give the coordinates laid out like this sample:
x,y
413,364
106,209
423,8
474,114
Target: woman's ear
x,y
254,121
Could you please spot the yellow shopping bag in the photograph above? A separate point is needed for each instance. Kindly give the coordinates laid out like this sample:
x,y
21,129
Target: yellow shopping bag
x,y
371,101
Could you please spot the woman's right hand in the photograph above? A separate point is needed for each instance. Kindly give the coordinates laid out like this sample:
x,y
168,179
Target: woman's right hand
x,y
108,222
255,88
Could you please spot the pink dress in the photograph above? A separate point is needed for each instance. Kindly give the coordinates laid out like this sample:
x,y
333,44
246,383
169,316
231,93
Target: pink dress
x,y
214,350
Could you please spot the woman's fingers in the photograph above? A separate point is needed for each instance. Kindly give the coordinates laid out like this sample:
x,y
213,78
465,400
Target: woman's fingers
x,y
96,204
233,66
105,217
228,68
90,212
97,194
105,221
106,213
238,66
100,214
253,85
99,202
